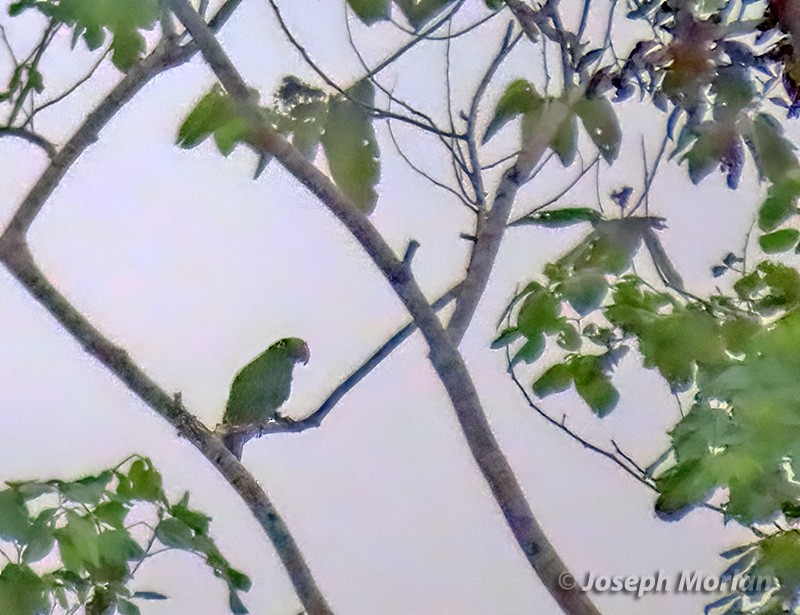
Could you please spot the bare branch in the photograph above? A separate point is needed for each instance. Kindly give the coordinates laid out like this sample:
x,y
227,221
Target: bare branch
x,y
475,174
452,36
72,88
649,177
31,137
439,184
623,462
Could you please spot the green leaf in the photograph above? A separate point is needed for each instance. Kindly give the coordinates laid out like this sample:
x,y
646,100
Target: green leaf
x,y
555,380
737,333
211,112
557,218
601,123
40,540
78,543
419,12
235,604
237,579
593,385
22,592
116,548
663,343
351,147
779,241
264,384
32,489
370,11
144,482
102,601
714,144
230,134
702,429
780,204
150,596
530,350
683,486
127,608
128,46
14,521
540,312
87,490
565,143
774,154
733,90
569,338
198,521
585,290
112,513
123,19
175,533
612,245
520,98
505,338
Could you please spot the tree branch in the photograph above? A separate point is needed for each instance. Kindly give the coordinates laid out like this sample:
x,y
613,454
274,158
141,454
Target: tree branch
x,y
444,357
492,224
16,256
31,137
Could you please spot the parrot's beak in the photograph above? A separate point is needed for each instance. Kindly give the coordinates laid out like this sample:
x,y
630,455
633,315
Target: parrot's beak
x,y
305,355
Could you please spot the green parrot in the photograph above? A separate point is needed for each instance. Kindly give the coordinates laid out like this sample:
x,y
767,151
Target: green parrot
x,y
263,385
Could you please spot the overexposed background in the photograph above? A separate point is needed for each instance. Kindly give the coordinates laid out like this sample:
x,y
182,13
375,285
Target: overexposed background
x,y
184,260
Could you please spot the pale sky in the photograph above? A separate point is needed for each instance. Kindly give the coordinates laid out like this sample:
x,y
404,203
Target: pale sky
x,y
194,268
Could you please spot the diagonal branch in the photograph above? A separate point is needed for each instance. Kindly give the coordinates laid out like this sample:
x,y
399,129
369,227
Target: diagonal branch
x,y
445,358
16,256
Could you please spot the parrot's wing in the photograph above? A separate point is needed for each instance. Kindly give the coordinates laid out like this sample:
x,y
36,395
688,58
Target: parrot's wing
x,y
261,387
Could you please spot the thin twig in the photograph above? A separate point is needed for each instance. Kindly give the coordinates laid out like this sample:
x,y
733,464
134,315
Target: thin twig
x,y
584,170
72,88
31,137
425,174
562,426
506,47
649,177
427,125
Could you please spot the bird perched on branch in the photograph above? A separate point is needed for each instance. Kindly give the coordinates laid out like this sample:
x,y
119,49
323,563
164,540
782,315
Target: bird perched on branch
x,y
261,387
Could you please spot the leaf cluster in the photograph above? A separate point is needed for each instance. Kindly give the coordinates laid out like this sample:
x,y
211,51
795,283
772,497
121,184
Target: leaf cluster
x,y
90,528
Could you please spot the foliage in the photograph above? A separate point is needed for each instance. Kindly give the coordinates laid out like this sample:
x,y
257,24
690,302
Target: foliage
x,y
725,74
79,543
93,20
341,123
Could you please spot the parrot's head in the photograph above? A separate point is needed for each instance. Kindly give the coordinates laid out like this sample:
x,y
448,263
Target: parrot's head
x,y
296,349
